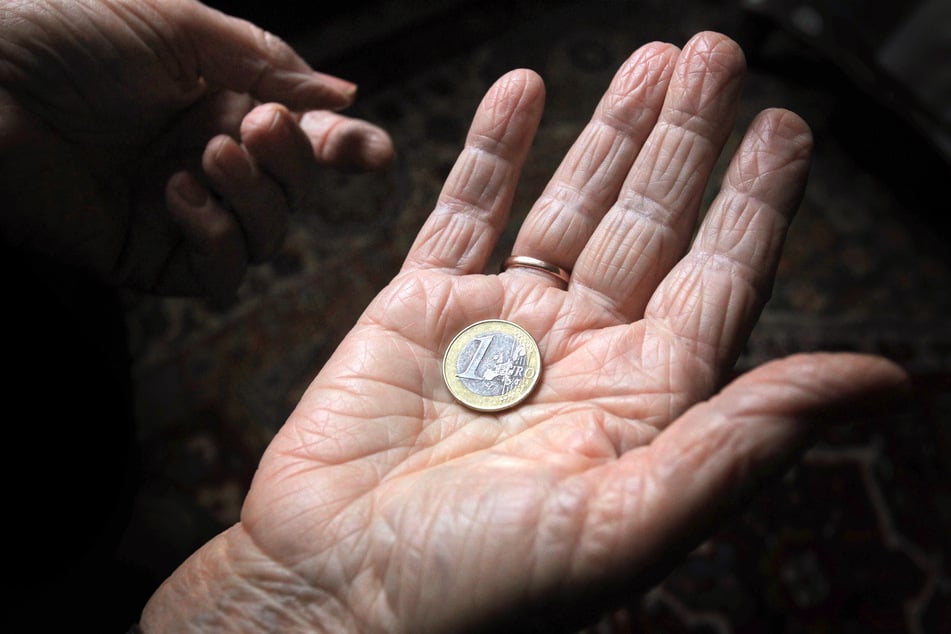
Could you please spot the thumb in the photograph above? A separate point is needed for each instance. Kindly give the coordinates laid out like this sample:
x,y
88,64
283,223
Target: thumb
x,y
721,451
240,56
648,509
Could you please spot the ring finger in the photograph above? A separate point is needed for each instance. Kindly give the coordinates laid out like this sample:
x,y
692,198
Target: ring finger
x,y
589,178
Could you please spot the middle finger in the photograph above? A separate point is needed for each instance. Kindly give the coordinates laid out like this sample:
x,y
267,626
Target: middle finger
x,y
649,227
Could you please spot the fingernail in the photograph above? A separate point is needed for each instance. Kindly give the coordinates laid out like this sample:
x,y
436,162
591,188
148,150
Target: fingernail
x,y
268,116
345,90
190,190
232,161
343,86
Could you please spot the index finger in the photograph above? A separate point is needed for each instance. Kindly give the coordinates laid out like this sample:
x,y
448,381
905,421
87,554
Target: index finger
x,y
242,57
706,306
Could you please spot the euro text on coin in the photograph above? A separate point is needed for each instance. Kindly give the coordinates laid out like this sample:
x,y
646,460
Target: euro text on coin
x,y
492,365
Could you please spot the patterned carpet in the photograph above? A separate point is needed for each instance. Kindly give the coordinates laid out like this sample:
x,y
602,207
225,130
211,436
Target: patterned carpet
x,y
856,539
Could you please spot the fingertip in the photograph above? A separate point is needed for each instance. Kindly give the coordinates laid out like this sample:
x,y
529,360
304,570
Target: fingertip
x,y
773,161
184,192
272,130
224,161
649,65
841,386
205,225
239,55
266,117
786,125
372,150
380,151
518,86
714,41
517,96
524,74
343,87
884,383
712,51
348,143
212,237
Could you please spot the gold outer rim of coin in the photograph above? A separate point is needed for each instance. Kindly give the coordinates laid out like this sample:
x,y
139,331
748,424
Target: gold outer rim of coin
x,y
479,402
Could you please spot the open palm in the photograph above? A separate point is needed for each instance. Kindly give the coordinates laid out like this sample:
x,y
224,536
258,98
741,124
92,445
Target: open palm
x,y
385,505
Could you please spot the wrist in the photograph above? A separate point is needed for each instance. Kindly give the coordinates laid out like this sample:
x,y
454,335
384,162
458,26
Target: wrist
x,y
230,585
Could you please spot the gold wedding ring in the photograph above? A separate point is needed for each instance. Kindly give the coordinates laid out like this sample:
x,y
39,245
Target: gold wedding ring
x,y
539,265
492,365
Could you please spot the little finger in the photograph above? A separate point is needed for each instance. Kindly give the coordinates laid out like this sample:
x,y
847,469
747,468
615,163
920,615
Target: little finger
x,y
258,202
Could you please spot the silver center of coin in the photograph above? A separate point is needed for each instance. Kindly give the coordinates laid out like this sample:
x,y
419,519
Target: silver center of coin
x,y
493,364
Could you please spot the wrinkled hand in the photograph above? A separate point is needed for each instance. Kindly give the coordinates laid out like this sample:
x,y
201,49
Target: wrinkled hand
x,y
385,506
162,144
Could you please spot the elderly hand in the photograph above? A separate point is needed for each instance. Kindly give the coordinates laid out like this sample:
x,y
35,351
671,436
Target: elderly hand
x,y
384,505
162,144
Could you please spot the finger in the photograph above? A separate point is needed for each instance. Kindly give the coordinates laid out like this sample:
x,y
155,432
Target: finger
x,y
474,204
347,143
217,113
281,149
648,229
213,254
289,150
705,308
258,202
240,56
589,178
655,504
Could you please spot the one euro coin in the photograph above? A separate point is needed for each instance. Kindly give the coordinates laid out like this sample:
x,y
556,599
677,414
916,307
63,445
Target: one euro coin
x,y
492,365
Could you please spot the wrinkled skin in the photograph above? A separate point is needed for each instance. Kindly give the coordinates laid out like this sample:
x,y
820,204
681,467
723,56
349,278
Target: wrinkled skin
x,y
385,506
161,144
